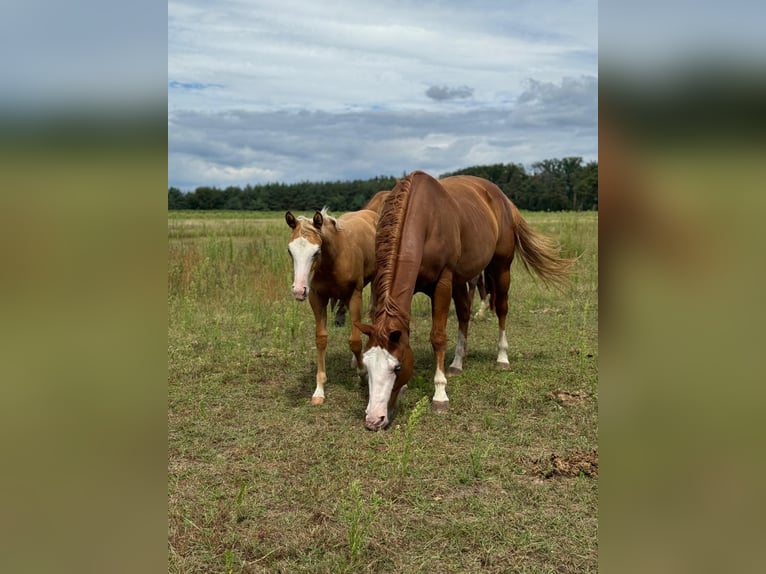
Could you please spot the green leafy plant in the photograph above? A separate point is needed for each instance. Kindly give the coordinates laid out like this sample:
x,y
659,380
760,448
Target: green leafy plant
x,y
405,457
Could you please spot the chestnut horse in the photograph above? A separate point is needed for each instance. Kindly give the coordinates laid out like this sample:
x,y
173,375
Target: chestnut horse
x,y
434,236
332,258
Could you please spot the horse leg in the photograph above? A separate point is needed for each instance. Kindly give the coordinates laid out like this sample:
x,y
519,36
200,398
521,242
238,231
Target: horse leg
x,y
340,313
440,302
462,298
500,285
480,314
319,306
355,340
371,309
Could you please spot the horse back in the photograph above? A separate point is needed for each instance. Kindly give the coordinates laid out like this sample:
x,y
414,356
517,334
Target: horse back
x,y
486,222
357,250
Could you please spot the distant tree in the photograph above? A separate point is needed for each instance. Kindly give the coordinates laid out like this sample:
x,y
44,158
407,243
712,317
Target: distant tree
x,y
587,186
553,184
177,199
206,198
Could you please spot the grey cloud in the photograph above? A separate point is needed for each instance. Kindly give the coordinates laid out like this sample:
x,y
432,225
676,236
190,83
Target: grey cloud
x,y
573,102
292,146
440,93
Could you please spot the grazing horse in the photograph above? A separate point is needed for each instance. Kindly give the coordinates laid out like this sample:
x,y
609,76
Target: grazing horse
x,y
332,258
434,236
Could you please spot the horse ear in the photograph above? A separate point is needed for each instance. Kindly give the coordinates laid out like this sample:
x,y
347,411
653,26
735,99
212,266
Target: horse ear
x,y
318,220
364,328
290,219
394,336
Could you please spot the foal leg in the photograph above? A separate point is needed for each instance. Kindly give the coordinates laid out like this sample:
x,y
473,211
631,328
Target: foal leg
x,y
440,302
462,297
355,340
480,314
319,306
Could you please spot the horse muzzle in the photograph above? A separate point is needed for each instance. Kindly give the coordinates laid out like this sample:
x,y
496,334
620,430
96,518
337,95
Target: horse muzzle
x,y
300,293
375,422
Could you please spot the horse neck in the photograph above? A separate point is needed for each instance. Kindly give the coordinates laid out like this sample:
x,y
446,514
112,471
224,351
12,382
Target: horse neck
x,y
331,250
397,301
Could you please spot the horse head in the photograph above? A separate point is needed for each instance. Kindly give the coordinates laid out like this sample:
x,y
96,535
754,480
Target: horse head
x,y
388,359
305,249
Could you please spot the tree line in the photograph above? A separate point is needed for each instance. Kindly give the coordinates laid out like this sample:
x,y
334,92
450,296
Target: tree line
x,y
550,185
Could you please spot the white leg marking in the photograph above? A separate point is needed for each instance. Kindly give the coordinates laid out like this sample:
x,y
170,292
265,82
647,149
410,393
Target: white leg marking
x,y
319,391
482,310
457,362
502,349
440,385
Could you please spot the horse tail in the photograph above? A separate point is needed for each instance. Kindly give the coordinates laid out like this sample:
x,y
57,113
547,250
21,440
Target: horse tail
x,y
540,254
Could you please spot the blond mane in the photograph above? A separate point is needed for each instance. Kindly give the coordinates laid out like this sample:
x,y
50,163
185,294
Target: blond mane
x,y
307,223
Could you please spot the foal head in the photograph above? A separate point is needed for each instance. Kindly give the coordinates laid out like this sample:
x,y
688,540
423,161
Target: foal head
x,y
305,249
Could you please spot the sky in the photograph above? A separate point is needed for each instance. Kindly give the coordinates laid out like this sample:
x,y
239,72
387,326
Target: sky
x,y
298,90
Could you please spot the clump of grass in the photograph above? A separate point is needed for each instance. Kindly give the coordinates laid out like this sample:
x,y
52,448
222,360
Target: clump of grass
x,y
358,515
240,503
476,464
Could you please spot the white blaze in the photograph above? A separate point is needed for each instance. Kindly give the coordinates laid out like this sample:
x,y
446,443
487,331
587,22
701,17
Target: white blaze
x,y
382,368
303,252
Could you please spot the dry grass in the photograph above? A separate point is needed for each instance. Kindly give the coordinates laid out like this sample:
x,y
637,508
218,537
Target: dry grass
x,y
261,481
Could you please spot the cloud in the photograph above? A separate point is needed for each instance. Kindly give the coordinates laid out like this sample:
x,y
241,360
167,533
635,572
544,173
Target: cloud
x,y
299,145
346,90
572,102
192,85
440,93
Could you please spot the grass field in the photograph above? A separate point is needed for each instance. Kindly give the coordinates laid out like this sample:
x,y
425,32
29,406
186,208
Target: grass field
x,y
259,480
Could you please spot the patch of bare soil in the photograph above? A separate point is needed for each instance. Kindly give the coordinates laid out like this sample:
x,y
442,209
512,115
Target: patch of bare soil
x,y
575,463
568,398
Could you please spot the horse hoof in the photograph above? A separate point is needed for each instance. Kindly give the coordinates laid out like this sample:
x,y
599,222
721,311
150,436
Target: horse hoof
x,y
317,400
440,406
454,371
503,366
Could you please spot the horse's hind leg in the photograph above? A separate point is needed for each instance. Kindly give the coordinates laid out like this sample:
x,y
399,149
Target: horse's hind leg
x,y
501,282
319,307
461,293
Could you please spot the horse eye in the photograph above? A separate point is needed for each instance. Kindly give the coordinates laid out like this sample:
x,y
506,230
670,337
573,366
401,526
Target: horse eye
x,y
397,368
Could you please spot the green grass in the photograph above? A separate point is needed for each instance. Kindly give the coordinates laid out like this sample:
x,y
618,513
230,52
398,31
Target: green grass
x,y
259,480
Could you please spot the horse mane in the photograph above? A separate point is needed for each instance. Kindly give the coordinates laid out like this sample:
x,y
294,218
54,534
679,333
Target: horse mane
x,y
387,243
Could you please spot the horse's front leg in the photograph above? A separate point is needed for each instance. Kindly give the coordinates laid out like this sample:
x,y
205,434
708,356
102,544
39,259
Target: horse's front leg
x,y
319,306
355,340
440,302
463,299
